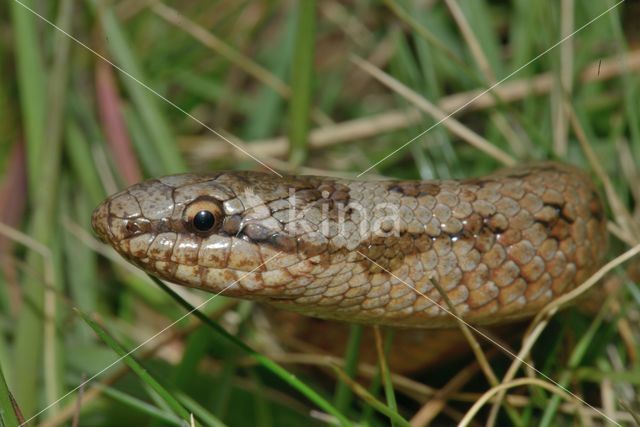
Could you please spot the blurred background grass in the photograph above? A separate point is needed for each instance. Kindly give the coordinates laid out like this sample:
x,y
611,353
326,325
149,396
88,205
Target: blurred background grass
x,y
148,88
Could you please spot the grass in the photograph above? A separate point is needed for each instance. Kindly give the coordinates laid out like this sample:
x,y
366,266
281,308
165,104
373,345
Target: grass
x,y
320,88
302,85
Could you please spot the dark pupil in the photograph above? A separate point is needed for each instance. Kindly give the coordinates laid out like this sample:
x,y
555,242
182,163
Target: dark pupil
x,y
204,221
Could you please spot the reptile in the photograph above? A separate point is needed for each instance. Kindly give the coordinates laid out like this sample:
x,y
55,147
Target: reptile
x,y
383,252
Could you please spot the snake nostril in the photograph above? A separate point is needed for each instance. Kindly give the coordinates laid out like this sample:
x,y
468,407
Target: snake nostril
x,y
137,226
132,227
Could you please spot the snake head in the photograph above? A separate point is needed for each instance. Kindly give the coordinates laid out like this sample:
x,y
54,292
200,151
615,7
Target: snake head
x,y
213,231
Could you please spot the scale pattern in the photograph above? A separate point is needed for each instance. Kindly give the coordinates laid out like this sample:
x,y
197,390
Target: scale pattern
x,y
500,246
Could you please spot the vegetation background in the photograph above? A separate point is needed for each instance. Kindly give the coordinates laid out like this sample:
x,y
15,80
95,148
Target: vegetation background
x,y
96,95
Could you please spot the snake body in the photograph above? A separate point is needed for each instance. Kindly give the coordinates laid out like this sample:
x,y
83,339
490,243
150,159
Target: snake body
x,y
499,246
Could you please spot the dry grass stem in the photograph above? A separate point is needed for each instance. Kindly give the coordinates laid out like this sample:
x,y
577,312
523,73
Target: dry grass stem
x,y
243,62
430,410
563,84
206,148
622,215
473,44
466,331
507,385
541,320
453,125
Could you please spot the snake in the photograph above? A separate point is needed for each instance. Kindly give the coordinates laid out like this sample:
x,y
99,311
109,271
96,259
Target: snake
x,y
402,253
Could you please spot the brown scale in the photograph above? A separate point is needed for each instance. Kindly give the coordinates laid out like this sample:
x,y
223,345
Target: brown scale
x,y
501,246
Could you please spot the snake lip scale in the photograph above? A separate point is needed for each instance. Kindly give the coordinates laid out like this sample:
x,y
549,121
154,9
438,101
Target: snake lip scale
x,y
501,246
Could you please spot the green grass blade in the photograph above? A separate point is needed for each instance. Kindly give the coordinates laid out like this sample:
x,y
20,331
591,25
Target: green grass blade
x,y
267,111
140,371
142,406
8,416
426,34
385,374
343,393
54,357
478,16
267,363
147,154
199,411
302,85
78,149
196,347
43,192
142,94
31,83
230,364
262,409
83,263
549,416
370,399
629,82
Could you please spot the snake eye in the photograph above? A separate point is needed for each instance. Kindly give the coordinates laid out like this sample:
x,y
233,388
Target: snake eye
x,y
204,221
203,215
